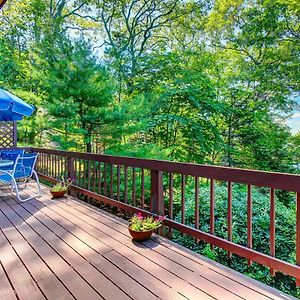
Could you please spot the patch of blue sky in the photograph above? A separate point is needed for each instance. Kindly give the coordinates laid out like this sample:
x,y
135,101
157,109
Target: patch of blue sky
x,y
294,121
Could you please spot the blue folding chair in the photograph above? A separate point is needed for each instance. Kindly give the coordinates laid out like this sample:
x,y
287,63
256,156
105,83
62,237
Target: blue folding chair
x,y
23,170
6,153
12,157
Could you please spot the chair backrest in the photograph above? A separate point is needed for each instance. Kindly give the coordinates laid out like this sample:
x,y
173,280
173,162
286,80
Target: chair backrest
x,y
25,164
13,157
12,154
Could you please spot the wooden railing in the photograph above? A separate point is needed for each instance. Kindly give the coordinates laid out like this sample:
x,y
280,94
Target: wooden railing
x,y
150,187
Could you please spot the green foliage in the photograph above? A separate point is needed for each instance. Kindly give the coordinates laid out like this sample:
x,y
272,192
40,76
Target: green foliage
x,y
140,223
198,81
80,93
285,230
62,186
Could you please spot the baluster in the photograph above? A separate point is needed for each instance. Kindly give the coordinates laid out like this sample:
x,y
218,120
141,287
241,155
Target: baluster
x,y
89,174
142,188
197,219
47,165
212,208
100,178
118,182
183,199
59,167
111,178
125,184
229,215
249,220
105,180
272,227
171,197
84,174
94,176
55,167
133,187
51,165
75,180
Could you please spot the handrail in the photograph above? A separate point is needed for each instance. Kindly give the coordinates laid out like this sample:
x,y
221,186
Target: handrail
x,y
275,180
98,176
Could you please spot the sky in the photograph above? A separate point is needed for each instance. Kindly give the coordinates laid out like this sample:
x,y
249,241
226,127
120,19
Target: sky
x,y
294,121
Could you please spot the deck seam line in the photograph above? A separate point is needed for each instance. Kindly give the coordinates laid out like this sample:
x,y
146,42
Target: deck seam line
x,y
141,253
118,253
102,254
57,253
88,205
11,284
17,254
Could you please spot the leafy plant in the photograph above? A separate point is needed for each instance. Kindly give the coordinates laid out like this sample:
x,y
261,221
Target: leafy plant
x,y
285,229
62,186
140,223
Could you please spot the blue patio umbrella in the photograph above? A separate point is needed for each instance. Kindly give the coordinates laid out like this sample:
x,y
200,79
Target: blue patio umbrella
x,y
13,108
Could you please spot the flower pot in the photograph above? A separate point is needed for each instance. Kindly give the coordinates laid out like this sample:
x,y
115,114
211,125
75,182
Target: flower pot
x,y
57,194
140,235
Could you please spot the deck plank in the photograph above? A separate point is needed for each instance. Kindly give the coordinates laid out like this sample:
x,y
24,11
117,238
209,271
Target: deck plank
x,y
66,248
207,286
71,279
6,290
162,274
244,286
122,280
21,280
45,279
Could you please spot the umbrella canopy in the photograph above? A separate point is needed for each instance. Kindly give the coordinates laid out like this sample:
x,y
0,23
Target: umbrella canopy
x,y
13,108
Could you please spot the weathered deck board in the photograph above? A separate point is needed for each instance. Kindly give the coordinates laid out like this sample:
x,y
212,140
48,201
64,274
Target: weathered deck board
x,y
64,249
6,290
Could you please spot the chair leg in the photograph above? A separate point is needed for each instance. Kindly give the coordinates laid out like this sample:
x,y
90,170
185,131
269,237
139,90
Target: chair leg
x,y
31,197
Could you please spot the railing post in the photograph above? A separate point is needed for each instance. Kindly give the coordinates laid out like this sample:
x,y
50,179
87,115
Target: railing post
x,y
157,205
157,197
71,170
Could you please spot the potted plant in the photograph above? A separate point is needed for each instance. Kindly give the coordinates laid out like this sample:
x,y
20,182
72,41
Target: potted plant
x,y
60,188
141,228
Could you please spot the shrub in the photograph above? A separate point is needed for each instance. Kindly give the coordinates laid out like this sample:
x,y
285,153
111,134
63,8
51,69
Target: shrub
x,y
285,229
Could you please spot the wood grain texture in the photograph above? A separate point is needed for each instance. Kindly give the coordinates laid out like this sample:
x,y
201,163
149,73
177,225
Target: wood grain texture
x,y
88,254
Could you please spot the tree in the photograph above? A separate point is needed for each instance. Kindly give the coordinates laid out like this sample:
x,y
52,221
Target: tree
x,y
80,93
131,29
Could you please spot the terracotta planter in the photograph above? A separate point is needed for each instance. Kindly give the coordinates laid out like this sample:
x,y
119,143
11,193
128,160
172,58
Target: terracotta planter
x,y
58,194
140,235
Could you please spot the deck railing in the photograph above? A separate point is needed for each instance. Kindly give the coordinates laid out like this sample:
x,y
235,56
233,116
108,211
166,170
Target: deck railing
x,y
150,186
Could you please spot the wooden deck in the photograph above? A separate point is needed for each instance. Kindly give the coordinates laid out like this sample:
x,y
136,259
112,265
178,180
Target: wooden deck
x,y
64,249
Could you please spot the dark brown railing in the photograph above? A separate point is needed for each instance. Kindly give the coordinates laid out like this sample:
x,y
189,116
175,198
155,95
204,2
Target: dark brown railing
x,y
149,186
